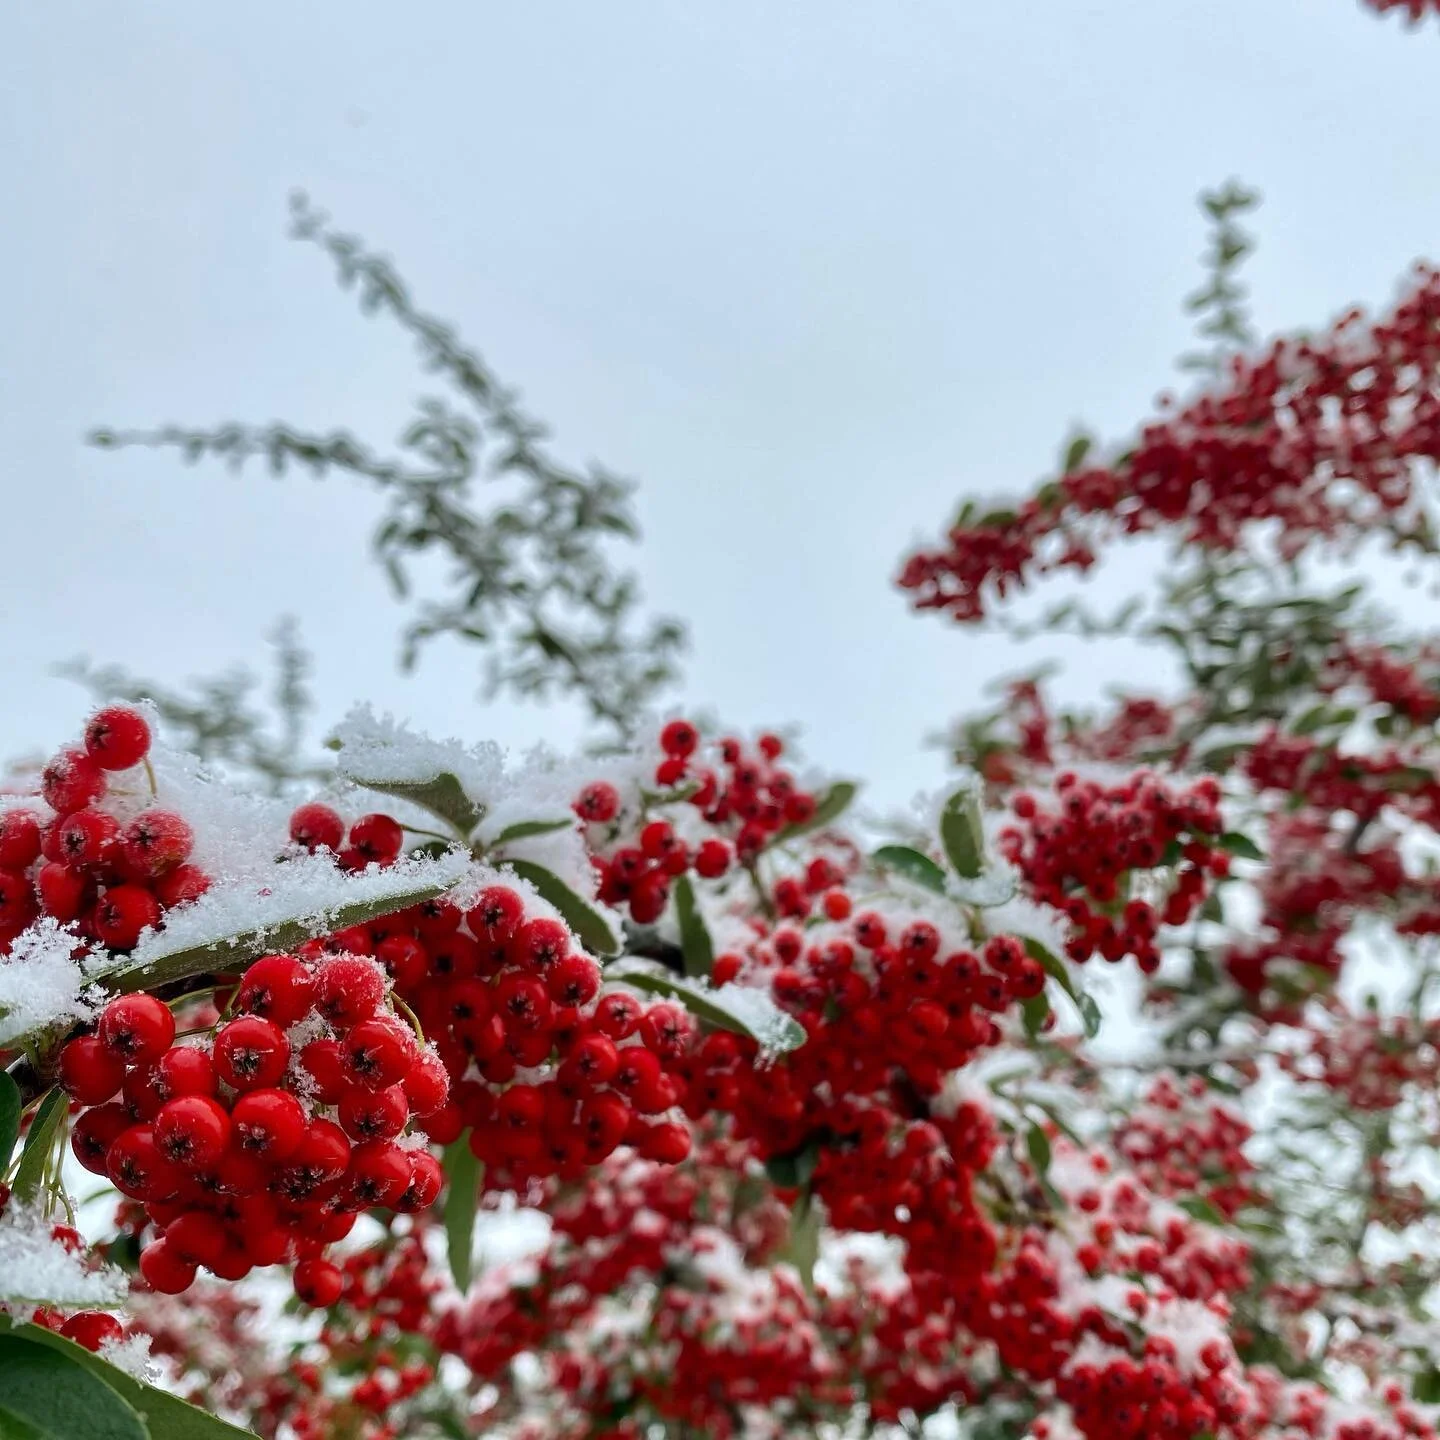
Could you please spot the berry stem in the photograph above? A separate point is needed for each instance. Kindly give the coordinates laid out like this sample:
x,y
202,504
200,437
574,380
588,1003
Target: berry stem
x,y
410,1015
150,776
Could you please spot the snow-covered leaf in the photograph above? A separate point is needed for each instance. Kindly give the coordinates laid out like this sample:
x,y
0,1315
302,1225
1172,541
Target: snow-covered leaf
x,y
695,942
524,829
961,832
442,795
308,897
740,1008
590,926
913,865
1059,972
36,1269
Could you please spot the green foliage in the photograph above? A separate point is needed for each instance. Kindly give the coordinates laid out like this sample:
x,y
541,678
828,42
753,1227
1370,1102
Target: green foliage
x,y
462,1172
1220,305
54,1397
696,946
828,808
9,1120
728,1007
35,1155
524,539
593,929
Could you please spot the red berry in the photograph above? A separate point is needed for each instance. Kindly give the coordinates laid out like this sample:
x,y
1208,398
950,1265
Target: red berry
x,y
427,1179
117,737
71,781
574,982
63,891
251,1053
712,859
277,987
378,838
679,738
90,1072
156,841
92,1329
320,1158
404,958
88,837
377,1053
496,915
192,1130
317,1283
323,1061
379,1173
669,1144
598,802
137,1029
182,1070
349,989
164,1270
426,1083
315,826
19,839
17,901
95,1131
123,913
657,839
771,746
137,1167
268,1123
540,945
181,885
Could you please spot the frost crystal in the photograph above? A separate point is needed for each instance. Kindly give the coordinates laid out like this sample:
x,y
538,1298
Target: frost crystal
x,y
385,749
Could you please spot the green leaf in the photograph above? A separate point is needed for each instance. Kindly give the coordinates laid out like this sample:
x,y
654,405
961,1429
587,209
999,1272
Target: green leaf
x,y
462,1171
1311,720
1058,971
442,795
165,1416
802,1249
35,1157
914,866
1221,757
828,807
695,943
1234,843
1075,453
1035,1011
793,1171
1426,1387
59,1398
524,829
10,1108
592,928
1201,1209
961,834
1037,1144
729,1007
235,952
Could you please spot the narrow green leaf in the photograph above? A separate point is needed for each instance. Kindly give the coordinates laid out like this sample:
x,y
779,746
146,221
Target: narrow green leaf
x,y
166,1416
1201,1209
59,1398
442,795
1234,843
1426,1387
462,1171
961,833
1221,757
10,1108
1037,1144
913,865
1058,971
589,924
524,829
695,943
234,952
1310,721
35,1156
793,1170
728,1007
1035,1011
1075,453
830,806
802,1249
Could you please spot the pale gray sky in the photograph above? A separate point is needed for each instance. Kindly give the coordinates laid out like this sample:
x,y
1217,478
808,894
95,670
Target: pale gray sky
x,y
809,269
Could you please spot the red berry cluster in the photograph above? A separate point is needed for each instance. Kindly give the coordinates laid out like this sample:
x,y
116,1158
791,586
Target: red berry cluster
x,y
375,839
548,1076
1414,10
82,863
1078,856
240,1158
746,802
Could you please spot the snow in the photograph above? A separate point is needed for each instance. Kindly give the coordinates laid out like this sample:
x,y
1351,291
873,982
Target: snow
x,y
37,1270
42,985
385,749
132,1355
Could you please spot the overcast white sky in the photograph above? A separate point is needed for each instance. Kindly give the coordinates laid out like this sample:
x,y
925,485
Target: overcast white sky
x,y
809,271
